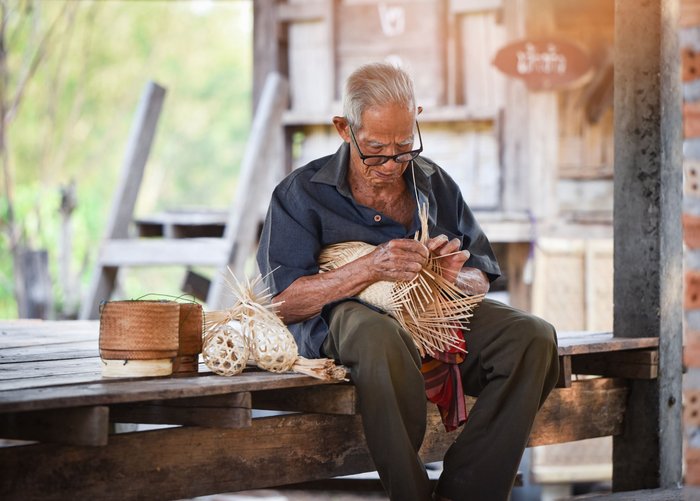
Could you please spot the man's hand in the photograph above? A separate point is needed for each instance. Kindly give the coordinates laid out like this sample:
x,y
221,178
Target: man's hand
x,y
454,259
471,280
397,260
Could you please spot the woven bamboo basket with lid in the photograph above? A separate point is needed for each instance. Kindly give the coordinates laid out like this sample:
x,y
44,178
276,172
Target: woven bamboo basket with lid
x,y
191,329
138,338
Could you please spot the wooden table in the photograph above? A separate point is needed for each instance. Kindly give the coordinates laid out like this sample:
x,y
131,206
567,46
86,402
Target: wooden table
x,y
52,393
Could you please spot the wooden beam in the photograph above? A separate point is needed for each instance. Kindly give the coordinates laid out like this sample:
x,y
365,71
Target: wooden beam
x,y
266,45
638,364
648,237
564,372
302,12
336,399
274,451
75,426
164,252
219,411
588,409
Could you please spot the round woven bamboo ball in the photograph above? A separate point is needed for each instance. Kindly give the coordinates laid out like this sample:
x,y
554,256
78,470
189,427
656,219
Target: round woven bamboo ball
x,y
225,350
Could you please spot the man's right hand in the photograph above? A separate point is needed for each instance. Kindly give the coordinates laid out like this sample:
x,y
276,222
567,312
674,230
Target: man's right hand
x,y
397,260
393,261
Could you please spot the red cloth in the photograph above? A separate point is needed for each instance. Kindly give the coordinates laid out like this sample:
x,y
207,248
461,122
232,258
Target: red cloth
x,y
443,384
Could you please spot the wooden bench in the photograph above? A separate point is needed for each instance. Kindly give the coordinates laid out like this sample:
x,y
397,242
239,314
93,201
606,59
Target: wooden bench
x,y
51,392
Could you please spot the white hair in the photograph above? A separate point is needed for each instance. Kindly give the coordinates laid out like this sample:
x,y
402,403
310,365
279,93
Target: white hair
x,y
376,84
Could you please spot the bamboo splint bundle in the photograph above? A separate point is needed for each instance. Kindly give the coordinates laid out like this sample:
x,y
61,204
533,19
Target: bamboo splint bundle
x,y
251,329
429,307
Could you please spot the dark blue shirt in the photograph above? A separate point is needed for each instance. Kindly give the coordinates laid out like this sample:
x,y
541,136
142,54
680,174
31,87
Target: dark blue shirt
x,y
313,207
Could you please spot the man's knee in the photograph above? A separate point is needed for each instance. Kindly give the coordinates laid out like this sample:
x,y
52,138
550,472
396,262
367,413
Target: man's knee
x,y
374,334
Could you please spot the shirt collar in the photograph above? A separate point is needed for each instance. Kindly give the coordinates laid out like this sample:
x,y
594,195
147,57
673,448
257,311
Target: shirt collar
x,y
334,172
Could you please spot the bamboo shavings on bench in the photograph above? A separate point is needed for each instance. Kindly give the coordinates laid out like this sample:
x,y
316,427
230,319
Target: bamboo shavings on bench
x,y
429,307
252,324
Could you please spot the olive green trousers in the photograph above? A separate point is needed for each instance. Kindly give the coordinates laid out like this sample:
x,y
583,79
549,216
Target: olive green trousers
x,y
511,366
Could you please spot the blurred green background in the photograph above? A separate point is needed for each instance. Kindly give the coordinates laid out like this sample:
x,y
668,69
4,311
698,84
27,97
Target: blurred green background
x,y
80,67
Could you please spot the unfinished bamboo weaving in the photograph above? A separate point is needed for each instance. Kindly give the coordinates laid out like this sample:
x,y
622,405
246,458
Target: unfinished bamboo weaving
x,y
251,327
430,307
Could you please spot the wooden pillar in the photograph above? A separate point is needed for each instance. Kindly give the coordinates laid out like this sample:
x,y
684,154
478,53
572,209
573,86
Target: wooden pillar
x,y
266,45
647,230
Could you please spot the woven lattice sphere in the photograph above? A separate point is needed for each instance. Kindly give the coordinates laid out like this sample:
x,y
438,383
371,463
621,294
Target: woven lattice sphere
x,y
225,350
272,345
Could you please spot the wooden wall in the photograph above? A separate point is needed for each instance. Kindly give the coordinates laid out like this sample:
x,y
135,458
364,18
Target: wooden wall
x,y
532,164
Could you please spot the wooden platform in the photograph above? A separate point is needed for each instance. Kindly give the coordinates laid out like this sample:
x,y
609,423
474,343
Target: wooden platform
x,y
52,392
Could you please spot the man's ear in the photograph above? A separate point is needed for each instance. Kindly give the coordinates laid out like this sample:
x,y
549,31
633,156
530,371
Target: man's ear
x,y
341,125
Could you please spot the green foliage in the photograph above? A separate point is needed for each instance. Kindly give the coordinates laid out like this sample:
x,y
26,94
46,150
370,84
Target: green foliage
x,y
76,112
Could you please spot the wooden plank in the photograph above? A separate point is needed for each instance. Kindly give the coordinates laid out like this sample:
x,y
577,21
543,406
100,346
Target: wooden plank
x,y
117,391
76,350
164,252
183,224
302,11
74,426
22,370
137,153
219,411
30,384
637,364
336,399
648,251
588,409
564,372
471,6
576,343
273,451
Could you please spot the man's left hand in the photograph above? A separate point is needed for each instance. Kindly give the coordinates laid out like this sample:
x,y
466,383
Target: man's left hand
x,y
454,259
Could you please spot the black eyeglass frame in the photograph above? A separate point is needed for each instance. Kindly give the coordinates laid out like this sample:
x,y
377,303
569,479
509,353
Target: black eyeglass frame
x,y
408,155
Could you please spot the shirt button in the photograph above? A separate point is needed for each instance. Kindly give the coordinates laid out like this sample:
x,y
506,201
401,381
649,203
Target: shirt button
x,y
377,218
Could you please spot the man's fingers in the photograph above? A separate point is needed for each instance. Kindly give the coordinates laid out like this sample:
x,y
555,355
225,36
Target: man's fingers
x,y
435,243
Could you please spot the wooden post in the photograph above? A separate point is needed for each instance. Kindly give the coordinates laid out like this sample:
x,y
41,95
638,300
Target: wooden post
x,y
37,302
647,229
139,147
261,169
266,45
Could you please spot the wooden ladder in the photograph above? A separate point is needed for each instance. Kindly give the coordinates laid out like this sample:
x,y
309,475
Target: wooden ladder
x,y
261,169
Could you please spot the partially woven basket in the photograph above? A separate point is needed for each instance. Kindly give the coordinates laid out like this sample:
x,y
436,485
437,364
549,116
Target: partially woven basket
x,y
430,308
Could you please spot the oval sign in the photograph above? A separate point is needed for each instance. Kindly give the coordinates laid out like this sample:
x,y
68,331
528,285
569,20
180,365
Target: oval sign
x,y
543,64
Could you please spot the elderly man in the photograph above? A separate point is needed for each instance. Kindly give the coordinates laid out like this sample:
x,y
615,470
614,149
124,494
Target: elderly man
x,y
369,191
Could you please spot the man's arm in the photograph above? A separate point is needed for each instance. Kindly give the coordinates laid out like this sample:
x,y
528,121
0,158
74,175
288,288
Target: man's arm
x,y
396,260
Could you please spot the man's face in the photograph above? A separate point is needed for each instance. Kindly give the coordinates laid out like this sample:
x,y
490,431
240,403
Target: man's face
x,y
386,130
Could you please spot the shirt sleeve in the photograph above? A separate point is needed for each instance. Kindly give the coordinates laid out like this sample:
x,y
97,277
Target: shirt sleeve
x,y
289,243
481,256
455,218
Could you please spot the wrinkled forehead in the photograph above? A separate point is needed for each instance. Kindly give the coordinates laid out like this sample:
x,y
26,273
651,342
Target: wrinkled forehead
x,y
391,119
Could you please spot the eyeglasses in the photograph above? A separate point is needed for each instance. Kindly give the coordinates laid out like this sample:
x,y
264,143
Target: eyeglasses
x,y
375,160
